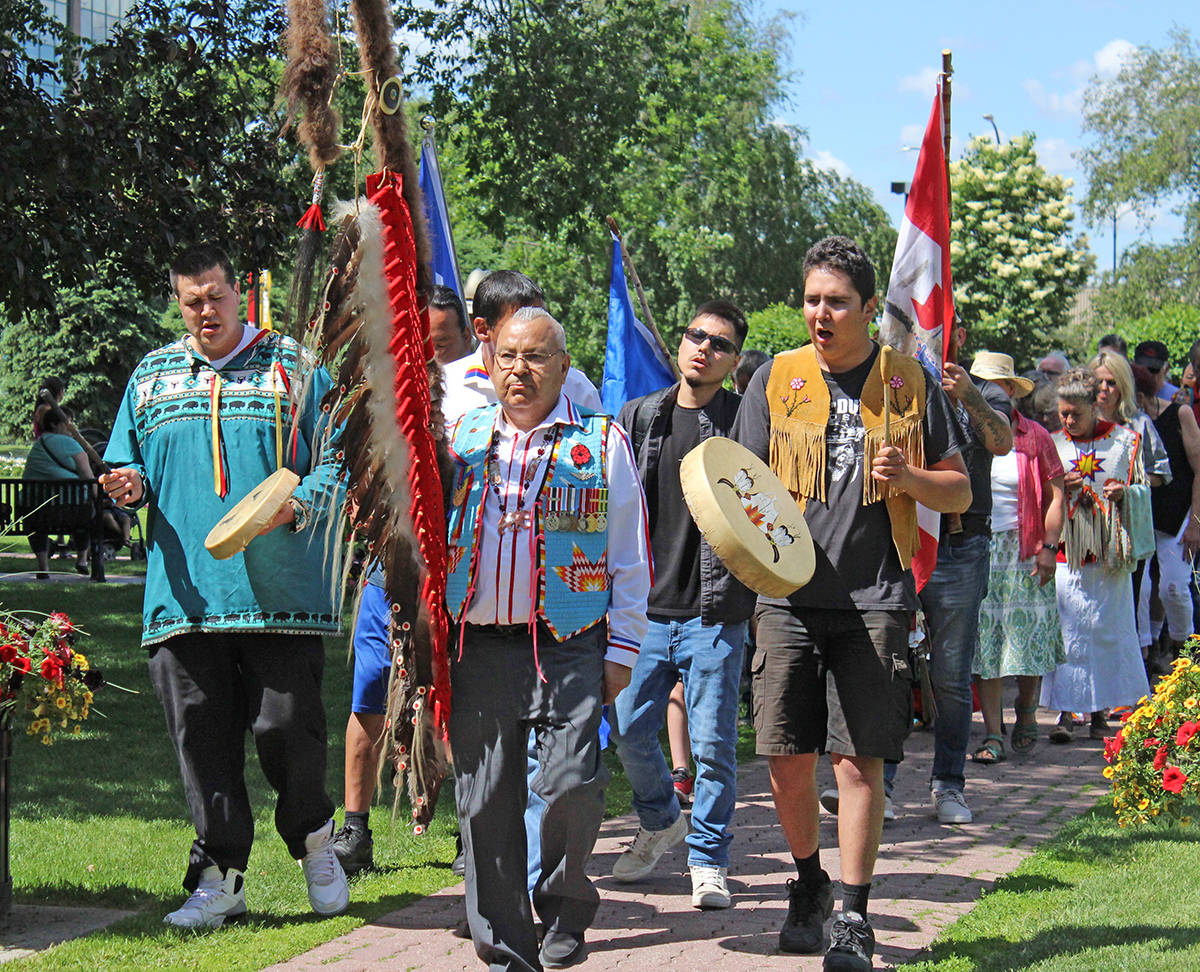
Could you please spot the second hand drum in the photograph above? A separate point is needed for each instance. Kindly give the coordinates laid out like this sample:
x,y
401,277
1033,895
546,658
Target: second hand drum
x,y
748,517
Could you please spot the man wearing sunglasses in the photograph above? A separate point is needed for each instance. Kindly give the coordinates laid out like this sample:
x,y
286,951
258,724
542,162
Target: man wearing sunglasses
x,y
697,616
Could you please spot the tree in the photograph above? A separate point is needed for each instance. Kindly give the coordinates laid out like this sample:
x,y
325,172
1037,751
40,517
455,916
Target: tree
x,y
776,328
98,331
1176,325
1143,152
1016,264
164,135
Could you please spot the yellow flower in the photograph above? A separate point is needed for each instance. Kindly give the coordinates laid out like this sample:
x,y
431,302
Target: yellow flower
x,y
47,741
77,730
61,702
1143,804
1191,702
1107,772
81,662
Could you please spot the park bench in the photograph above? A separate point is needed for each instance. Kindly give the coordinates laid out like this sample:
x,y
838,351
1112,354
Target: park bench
x,y
55,507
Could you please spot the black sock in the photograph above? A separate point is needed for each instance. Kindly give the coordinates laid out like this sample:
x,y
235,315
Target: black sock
x,y
854,897
809,869
357,819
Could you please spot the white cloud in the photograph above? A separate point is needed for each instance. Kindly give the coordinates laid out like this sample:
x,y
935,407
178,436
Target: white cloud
x,y
1055,155
924,82
1105,64
911,135
827,160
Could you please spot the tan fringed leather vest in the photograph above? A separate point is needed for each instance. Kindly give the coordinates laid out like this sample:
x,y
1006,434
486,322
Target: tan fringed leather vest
x,y
799,402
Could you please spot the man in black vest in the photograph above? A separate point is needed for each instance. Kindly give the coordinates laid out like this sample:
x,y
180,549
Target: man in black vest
x,y
697,613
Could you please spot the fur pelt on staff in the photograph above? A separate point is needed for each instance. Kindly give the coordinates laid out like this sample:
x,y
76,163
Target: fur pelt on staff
x,y
374,28
307,83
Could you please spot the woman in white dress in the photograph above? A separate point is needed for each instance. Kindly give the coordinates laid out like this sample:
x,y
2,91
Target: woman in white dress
x,y
1095,598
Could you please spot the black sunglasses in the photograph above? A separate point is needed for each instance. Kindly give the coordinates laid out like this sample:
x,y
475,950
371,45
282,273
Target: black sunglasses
x,y
718,343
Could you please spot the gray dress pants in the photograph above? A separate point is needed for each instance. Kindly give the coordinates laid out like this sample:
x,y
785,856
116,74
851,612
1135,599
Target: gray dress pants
x,y
498,697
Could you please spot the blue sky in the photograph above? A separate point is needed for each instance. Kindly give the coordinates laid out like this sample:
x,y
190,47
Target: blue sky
x,y
864,75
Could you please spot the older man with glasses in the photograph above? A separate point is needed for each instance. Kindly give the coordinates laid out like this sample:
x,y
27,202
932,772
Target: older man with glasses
x,y
549,571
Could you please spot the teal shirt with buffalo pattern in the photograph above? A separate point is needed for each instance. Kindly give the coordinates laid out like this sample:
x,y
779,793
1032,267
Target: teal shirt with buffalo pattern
x,y
282,582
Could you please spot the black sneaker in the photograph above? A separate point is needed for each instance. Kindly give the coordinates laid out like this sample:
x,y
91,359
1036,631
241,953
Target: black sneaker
x,y
802,931
354,849
851,944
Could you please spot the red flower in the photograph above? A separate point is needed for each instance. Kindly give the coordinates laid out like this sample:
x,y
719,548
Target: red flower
x,y
581,455
52,670
1112,745
1151,743
1173,779
1185,733
21,663
797,383
1160,757
8,652
62,623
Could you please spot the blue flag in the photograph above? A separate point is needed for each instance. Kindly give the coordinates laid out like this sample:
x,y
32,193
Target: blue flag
x,y
634,364
441,240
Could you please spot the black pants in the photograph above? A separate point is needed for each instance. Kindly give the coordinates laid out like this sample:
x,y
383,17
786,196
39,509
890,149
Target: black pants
x,y
215,687
498,698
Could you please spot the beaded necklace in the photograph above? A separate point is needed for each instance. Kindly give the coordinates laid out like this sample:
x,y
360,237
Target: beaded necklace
x,y
518,518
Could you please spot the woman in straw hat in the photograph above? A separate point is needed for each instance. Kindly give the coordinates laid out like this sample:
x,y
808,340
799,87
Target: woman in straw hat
x,y
1019,632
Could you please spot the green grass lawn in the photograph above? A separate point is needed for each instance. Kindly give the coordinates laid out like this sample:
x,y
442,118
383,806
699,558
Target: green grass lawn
x,y
101,820
1095,897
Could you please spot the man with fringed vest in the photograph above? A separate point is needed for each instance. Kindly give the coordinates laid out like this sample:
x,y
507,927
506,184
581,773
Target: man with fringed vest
x,y
549,573
859,435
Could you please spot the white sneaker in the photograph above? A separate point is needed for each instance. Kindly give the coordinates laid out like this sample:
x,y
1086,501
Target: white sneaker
x,y
216,898
639,858
951,807
829,803
328,892
708,887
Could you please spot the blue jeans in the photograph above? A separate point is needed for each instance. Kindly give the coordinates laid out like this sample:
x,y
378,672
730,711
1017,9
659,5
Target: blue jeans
x,y
709,660
951,600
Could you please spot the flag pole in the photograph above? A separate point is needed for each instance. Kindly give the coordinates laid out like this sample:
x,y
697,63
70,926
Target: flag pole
x,y
637,286
947,70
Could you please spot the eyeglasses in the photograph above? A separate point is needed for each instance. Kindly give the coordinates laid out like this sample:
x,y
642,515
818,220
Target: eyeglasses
x,y
718,343
534,360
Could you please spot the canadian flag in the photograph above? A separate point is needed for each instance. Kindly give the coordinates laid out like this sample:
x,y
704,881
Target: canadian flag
x,y
918,315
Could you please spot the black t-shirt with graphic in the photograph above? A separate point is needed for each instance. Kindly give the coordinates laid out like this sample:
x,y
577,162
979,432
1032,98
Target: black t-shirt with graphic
x,y
674,537
858,568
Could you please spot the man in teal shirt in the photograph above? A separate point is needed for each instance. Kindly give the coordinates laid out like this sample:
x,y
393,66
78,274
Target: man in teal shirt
x,y
234,643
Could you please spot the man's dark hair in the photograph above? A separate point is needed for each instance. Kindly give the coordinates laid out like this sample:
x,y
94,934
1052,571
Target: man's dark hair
x,y
843,255
752,359
446,299
1114,341
502,292
196,259
727,311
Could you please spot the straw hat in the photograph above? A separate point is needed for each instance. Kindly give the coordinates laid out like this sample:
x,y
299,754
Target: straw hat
x,y
996,366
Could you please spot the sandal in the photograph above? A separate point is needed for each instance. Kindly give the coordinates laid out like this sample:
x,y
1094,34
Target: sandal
x,y
1062,731
992,751
1025,734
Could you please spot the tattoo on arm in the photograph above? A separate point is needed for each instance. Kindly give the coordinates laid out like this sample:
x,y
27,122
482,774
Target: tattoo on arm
x,y
993,429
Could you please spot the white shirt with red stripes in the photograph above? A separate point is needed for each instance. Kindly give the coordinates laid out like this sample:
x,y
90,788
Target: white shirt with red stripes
x,y
504,591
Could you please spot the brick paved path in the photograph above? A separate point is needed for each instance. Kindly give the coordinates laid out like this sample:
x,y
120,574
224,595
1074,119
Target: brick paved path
x,y
927,876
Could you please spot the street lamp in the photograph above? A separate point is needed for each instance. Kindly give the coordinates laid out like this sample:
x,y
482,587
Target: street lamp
x,y
991,119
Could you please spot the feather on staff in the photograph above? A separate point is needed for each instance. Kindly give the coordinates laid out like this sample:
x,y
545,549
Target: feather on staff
x,y
372,331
